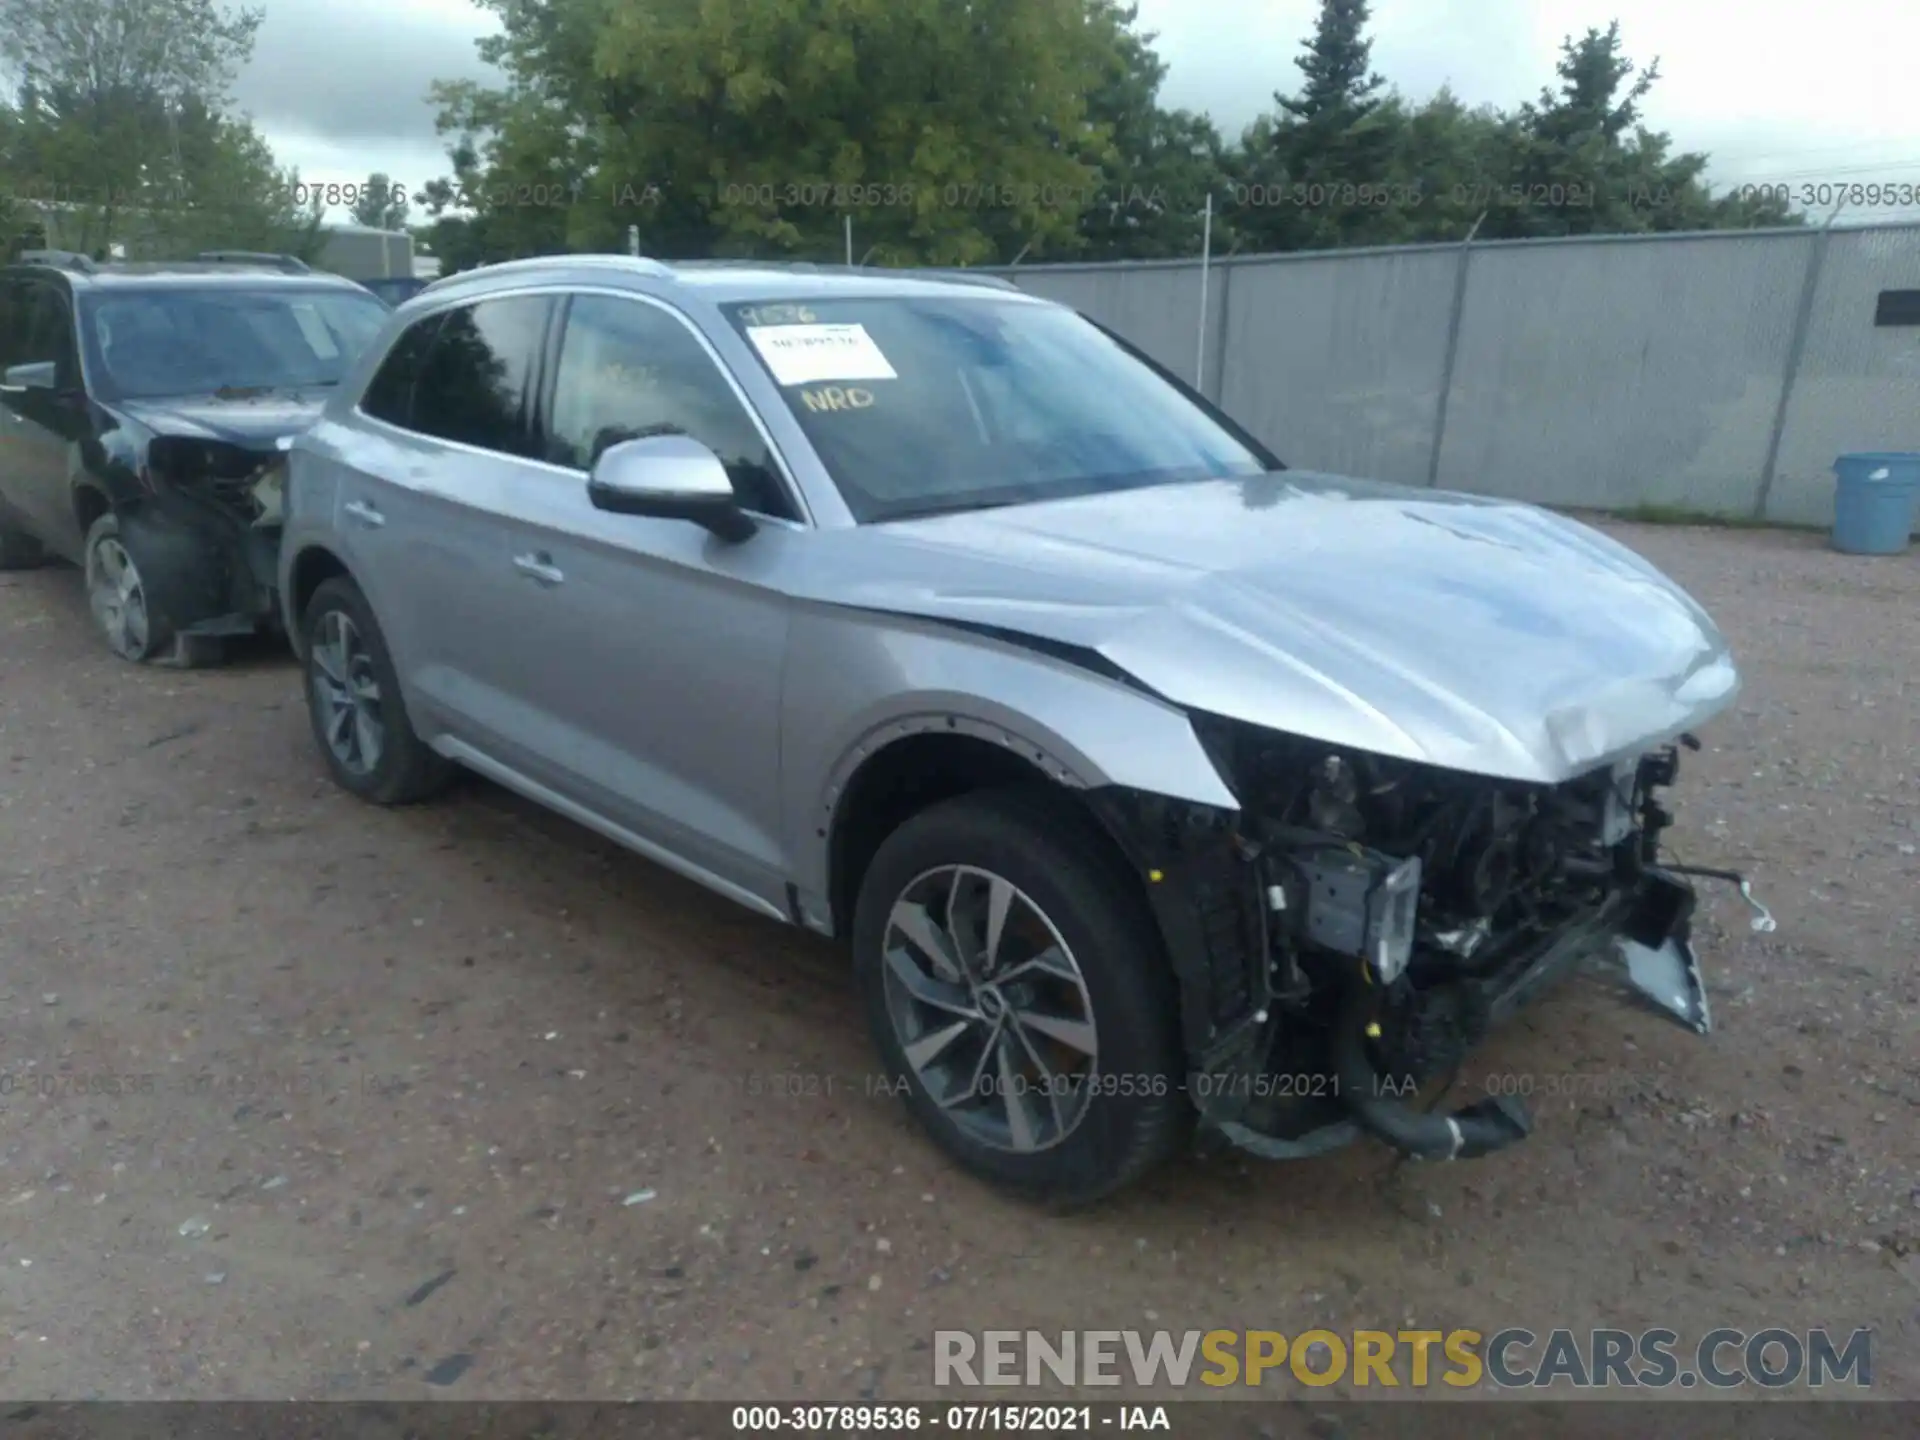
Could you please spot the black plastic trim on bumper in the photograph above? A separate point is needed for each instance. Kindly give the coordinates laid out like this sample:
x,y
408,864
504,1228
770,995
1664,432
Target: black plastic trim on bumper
x,y
1657,910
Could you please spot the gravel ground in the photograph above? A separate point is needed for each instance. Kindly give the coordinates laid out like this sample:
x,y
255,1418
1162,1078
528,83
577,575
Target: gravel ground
x,y
460,1101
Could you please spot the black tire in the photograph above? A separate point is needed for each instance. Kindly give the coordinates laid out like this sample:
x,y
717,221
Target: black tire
x,y
406,769
152,633
20,551
1136,1112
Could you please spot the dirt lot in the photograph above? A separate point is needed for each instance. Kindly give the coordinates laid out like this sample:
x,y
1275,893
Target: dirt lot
x,y
460,1101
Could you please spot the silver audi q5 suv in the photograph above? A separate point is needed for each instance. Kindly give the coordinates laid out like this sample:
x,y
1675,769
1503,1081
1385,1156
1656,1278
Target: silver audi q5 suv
x,y
1149,781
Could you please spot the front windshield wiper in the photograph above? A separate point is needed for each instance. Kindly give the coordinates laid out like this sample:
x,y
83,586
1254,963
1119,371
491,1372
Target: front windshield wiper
x,y
950,505
249,392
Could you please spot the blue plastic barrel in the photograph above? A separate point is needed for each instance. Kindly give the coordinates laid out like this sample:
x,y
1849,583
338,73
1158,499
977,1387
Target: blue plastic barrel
x,y
1873,506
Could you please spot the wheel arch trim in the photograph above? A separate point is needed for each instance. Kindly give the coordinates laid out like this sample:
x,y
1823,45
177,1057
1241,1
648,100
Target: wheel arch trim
x,y
292,563
1138,743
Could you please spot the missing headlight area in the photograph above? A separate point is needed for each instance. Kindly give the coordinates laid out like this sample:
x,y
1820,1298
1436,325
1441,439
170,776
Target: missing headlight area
x,y
1361,924
244,483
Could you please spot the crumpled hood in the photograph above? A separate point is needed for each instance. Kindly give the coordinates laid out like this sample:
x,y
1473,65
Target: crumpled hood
x,y
1475,634
253,420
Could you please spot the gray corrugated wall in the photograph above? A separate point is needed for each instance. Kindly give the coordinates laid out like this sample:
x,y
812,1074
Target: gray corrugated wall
x,y
1619,373
1610,372
1858,388
1336,363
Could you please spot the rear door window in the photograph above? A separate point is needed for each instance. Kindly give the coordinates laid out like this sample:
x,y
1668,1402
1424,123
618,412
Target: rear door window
x,y
474,382
389,395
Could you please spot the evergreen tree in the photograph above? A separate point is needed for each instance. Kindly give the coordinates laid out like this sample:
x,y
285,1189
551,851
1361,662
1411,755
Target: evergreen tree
x,y
1340,83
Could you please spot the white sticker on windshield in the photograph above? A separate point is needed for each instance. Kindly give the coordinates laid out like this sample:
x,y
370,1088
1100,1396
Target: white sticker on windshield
x,y
315,329
803,354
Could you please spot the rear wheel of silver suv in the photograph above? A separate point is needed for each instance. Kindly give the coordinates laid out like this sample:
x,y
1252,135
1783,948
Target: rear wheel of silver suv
x,y
1020,998
353,698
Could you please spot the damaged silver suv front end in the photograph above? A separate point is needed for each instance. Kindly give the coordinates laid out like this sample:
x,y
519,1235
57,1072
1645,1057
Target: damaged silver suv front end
x,y
1432,736
1363,922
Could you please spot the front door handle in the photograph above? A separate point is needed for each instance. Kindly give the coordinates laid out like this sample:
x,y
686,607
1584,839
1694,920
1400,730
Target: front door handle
x,y
539,567
365,514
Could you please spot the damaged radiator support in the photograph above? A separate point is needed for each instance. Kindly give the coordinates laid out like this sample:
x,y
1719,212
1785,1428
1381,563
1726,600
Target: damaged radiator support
x,y
1325,975
207,533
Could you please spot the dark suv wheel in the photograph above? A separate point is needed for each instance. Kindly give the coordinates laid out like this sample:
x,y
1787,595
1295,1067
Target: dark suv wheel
x,y
353,698
1015,983
117,593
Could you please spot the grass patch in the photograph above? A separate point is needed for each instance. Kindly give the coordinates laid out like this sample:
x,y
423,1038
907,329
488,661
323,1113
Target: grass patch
x,y
1681,515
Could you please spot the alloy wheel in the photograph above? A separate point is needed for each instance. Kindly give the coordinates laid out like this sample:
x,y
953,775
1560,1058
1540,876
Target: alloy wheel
x,y
990,1008
118,598
348,694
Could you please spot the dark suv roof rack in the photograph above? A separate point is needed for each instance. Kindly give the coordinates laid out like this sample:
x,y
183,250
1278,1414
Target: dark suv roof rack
x,y
61,259
289,263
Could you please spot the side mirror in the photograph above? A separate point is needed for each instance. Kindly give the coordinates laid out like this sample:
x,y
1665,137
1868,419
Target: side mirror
x,y
37,376
669,477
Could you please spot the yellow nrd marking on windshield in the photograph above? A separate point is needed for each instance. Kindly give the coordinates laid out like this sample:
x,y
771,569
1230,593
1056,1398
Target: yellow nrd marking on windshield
x,y
836,397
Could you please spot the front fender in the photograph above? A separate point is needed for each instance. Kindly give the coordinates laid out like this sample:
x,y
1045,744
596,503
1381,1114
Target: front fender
x,y
857,682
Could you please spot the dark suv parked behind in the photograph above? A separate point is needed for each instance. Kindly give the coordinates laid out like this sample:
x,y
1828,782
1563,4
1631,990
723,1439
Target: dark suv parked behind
x,y
144,410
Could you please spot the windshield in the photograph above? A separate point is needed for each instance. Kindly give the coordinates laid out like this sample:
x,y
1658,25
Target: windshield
x,y
153,343
925,406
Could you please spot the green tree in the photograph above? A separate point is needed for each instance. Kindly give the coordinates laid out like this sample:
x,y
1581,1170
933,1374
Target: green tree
x,y
1346,163
1583,162
1158,166
381,204
458,237
1447,152
947,131
228,192
104,85
1337,64
1321,170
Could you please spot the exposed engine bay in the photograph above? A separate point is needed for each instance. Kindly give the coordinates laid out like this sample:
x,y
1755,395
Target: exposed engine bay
x,y
205,533
245,483
1361,923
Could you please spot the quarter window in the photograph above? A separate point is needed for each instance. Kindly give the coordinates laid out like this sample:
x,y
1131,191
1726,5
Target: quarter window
x,y
629,369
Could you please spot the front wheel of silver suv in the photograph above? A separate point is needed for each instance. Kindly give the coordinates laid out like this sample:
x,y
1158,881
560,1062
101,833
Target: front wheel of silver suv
x,y
353,698
1020,998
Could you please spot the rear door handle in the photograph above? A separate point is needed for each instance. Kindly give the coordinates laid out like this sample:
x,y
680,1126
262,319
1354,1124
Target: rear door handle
x,y
540,567
365,514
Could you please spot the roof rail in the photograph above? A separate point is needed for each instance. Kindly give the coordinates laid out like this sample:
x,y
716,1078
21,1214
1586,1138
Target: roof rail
x,y
974,277
644,265
638,264
61,259
293,265
958,274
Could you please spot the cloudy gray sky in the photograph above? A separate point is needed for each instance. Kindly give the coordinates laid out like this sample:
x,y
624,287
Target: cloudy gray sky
x,y
1808,95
